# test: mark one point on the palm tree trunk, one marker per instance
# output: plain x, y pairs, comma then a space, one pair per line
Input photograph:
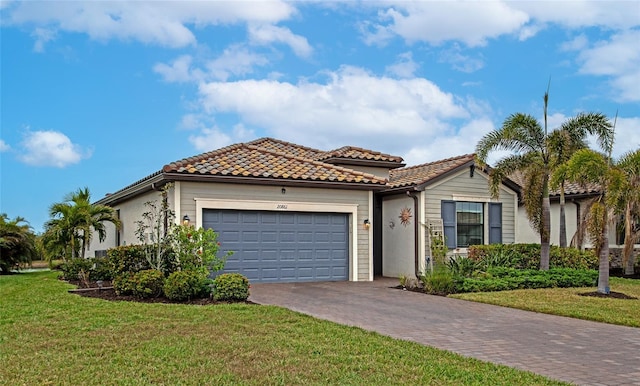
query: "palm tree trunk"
563, 221
546, 229
628, 260
603, 269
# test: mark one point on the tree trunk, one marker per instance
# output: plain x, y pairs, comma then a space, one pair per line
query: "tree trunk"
544, 234
628, 259
563, 221
603, 270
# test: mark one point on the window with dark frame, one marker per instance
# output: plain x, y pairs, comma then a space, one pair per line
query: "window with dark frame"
470, 223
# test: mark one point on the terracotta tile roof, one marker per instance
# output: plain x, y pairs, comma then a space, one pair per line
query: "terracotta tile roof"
420, 174
351, 152
249, 160
288, 148
570, 188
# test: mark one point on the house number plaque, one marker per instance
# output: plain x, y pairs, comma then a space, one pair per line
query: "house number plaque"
282, 206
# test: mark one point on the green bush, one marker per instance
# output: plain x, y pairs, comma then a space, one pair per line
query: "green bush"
440, 281
127, 259
501, 279
231, 287
527, 256
124, 284
100, 269
148, 283
184, 285
72, 268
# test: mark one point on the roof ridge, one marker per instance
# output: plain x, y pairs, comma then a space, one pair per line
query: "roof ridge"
200, 157
263, 139
317, 162
434, 162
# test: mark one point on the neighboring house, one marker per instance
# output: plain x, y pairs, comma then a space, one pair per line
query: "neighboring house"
577, 198
292, 213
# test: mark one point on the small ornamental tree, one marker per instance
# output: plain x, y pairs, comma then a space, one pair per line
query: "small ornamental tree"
153, 229
196, 249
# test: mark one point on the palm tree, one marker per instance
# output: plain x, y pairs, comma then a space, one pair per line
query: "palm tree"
624, 196
588, 166
533, 157
17, 243
73, 222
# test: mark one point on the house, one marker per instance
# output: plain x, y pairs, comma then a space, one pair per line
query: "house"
293, 213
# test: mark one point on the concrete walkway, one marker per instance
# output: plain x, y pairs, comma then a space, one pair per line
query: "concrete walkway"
572, 350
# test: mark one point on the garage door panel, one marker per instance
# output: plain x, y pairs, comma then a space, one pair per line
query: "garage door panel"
283, 246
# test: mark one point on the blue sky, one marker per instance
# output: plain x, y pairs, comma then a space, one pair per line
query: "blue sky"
101, 94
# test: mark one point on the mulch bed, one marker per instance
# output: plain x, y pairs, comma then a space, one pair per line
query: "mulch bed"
108, 293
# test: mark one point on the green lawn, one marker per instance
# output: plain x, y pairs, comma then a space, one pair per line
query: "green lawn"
48, 336
568, 302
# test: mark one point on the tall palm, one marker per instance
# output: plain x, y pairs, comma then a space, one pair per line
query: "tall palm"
17, 243
624, 196
74, 221
588, 166
569, 138
532, 156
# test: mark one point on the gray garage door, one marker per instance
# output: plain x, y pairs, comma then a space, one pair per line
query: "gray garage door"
283, 246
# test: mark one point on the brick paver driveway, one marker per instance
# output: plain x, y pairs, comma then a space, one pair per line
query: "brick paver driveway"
572, 350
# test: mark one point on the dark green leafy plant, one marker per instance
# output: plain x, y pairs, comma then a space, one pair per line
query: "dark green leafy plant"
231, 287
72, 268
148, 283
184, 285
124, 284
440, 281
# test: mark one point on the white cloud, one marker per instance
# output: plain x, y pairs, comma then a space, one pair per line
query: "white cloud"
42, 36
618, 59
51, 148
404, 67
4, 146
627, 135
235, 60
164, 23
215, 138
178, 71
353, 106
460, 62
582, 13
472, 23
578, 43
266, 34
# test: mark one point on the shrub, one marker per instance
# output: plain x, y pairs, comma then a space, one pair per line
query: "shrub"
100, 269
527, 256
184, 285
133, 258
440, 281
148, 283
71, 269
124, 284
231, 287
501, 279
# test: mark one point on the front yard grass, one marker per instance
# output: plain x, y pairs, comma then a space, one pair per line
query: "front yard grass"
48, 336
568, 302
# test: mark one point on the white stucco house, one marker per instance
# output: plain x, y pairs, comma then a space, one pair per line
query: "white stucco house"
292, 213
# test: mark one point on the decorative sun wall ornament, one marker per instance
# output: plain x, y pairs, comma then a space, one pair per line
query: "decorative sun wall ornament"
405, 216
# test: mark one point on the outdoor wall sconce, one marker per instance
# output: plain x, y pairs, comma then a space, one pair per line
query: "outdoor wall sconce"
186, 220
284, 190
367, 224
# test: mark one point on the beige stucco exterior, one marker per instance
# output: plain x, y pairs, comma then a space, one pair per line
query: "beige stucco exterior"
191, 198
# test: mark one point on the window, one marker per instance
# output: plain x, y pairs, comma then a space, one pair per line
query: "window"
470, 224
464, 223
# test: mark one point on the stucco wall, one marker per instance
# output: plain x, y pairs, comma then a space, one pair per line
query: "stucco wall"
271, 197
130, 212
398, 256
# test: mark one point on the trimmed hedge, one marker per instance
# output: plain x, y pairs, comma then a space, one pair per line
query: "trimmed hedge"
132, 258
527, 256
502, 279
96, 268
231, 287
184, 285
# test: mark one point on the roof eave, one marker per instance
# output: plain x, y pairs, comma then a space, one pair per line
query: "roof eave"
274, 181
